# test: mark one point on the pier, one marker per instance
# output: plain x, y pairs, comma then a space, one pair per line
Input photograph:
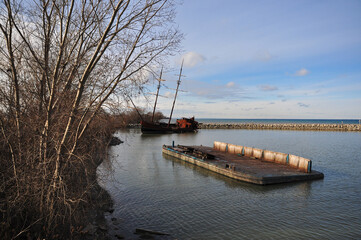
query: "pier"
247, 164
284, 126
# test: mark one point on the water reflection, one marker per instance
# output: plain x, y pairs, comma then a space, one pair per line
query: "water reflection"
159, 192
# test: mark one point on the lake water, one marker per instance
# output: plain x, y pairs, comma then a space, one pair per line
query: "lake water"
153, 191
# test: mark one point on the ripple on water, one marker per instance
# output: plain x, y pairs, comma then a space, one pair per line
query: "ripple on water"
157, 192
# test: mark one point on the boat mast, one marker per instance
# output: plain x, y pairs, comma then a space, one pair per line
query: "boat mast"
176, 92
156, 96
136, 109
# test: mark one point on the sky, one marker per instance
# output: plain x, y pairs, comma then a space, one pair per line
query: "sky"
267, 59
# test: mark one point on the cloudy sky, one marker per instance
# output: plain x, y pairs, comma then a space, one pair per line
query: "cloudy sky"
268, 59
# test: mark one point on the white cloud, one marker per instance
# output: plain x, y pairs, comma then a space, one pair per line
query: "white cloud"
303, 104
214, 91
192, 59
264, 56
267, 88
302, 72
230, 84
168, 95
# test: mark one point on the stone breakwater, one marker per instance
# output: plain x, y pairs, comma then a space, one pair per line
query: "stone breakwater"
286, 126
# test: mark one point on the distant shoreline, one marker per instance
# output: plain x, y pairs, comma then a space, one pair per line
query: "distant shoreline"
278, 121
277, 126
284, 126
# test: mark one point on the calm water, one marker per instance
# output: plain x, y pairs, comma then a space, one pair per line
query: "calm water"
270, 121
157, 192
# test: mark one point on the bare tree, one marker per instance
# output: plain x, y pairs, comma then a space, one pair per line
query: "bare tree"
60, 62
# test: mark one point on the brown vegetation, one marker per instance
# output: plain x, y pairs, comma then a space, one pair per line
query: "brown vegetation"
32, 204
60, 64
124, 119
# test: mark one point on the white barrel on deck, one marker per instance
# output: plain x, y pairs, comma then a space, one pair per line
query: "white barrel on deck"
269, 156
293, 160
305, 164
232, 148
257, 153
220, 146
301, 163
281, 158
248, 151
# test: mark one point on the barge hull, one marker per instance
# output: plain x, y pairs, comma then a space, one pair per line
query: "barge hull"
245, 169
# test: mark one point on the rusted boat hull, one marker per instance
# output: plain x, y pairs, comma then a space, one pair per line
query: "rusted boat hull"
147, 127
183, 125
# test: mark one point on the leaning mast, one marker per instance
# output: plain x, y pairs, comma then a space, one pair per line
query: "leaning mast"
156, 96
176, 92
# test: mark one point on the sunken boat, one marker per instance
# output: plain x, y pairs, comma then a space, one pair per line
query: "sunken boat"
181, 126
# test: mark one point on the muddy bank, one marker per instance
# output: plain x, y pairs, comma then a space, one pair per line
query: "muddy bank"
94, 224
97, 227
286, 126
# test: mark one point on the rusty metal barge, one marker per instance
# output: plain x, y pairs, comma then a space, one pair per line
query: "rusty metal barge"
247, 164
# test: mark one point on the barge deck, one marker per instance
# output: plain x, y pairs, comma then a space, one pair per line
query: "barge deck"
248, 166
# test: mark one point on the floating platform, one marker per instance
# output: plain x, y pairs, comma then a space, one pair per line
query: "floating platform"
247, 164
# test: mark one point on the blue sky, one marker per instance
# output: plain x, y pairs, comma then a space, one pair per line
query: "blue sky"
268, 59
